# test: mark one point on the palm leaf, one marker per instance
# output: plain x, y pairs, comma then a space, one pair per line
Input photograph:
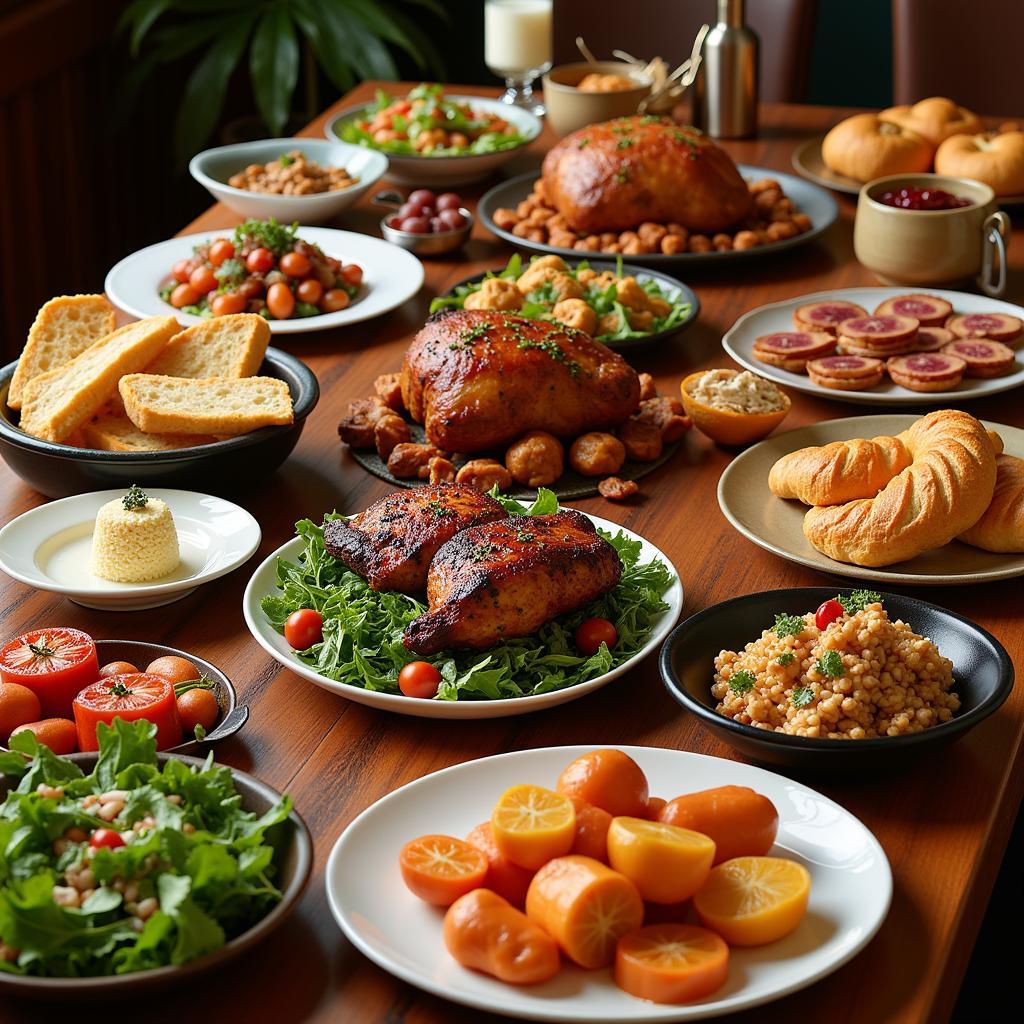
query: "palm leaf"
330, 58
274, 66
366, 53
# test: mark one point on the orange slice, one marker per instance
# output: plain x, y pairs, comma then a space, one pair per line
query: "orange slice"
667, 864
532, 824
440, 869
671, 963
750, 901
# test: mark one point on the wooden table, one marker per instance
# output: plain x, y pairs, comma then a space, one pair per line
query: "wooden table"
943, 822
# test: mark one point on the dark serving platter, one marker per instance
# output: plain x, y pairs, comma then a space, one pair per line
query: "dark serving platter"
813, 200
59, 470
982, 672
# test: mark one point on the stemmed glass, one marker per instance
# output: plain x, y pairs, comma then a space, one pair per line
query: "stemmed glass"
517, 47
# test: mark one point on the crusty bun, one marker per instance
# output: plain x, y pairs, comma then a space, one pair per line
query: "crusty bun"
934, 119
1001, 528
997, 160
866, 147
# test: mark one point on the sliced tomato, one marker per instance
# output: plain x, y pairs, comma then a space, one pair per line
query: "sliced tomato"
128, 697
53, 663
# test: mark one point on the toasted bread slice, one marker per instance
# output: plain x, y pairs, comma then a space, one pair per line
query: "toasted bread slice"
116, 433
64, 328
226, 346
56, 403
216, 405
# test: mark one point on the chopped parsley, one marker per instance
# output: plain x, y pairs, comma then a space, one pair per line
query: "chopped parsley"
789, 625
278, 238
231, 271
830, 665
583, 143
286, 159
624, 143
858, 600
524, 536
135, 498
481, 552
742, 681
437, 508
802, 696
786, 658
554, 350
622, 176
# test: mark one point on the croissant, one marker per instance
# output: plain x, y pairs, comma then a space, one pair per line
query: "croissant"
943, 492
1001, 528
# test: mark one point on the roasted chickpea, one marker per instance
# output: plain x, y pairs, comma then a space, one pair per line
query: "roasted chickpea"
780, 229
802, 222
537, 459
672, 244
652, 233
576, 313
597, 454
700, 243
483, 474
586, 275
745, 240
642, 440
505, 218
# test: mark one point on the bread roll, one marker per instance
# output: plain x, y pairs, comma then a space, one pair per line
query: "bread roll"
1001, 528
934, 119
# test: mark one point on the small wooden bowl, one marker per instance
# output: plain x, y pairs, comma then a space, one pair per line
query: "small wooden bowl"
724, 426
568, 109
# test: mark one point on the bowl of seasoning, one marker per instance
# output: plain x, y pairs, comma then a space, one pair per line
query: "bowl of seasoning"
733, 407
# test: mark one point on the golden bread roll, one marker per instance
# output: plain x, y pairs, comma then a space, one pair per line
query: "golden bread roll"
865, 147
942, 493
1001, 527
997, 161
934, 119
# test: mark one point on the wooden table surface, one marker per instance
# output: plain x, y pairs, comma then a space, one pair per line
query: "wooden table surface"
943, 822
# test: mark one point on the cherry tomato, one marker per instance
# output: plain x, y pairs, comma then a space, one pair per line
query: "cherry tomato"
591, 633
310, 290
259, 261
352, 275
304, 628
202, 279
174, 669
280, 301
220, 251
184, 295
252, 288
181, 270
58, 734
128, 697
53, 663
116, 668
198, 707
419, 679
295, 264
108, 837
334, 299
828, 612
229, 302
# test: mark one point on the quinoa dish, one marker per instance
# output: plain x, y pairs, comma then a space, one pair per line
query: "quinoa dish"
846, 671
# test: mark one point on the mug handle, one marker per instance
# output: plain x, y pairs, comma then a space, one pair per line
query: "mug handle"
993, 245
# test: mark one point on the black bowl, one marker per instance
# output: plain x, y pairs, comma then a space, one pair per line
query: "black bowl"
982, 671
58, 470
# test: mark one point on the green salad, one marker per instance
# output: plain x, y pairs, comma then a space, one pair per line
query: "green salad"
174, 874
623, 307
425, 123
362, 632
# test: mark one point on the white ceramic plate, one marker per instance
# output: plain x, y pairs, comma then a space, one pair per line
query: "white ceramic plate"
851, 886
390, 277
48, 548
264, 584
778, 316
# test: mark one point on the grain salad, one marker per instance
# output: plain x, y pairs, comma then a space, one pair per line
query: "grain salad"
845, 672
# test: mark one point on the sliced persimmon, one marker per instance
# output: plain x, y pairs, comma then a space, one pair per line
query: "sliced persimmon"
608, 779
440, 869
667, 864
531, 825
671, 963
508, 880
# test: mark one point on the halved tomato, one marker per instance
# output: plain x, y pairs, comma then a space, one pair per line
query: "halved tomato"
128, 697
53, 663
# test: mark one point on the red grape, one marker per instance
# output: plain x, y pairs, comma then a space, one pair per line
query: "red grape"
451, 219
422, 197
448, 201
417, 225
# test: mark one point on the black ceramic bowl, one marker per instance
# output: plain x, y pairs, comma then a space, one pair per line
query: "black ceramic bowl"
293, 859
982, 671
58, 470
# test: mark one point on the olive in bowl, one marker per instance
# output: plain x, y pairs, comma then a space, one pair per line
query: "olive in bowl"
425, 223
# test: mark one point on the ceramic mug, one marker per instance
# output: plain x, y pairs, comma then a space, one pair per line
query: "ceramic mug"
568, 108
932, 247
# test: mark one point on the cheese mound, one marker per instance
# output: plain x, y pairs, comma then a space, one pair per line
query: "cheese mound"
136, 545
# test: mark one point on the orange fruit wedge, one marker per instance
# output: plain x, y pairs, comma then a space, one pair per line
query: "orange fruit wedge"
531, 825
667, 864
671, 963
440, 869
751, 901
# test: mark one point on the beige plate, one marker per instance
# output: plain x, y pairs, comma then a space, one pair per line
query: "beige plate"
808, 162
777, 525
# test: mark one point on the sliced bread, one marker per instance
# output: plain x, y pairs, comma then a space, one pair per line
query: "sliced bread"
215, 405
64, 328
117, 433
58, 402
226, 346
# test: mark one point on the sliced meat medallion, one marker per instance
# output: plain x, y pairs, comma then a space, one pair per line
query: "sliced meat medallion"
984, 358
927, 371
997, 326
826, 316
928, 310
846, 373
848, 347
931, 339
881, 333
790, 350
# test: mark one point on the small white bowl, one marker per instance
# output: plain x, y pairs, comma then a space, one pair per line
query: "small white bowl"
48, 548
213, 167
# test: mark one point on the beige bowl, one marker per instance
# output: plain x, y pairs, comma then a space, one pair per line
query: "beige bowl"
568, 108
922, 247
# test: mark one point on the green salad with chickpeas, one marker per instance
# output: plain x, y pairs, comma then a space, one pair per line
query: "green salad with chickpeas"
608, 305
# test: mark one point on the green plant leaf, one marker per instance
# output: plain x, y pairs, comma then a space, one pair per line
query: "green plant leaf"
382, 22
274, 66
330, 58
140, 15
430, 57
366, 53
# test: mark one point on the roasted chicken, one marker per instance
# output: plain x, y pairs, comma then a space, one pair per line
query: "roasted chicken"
391, 543
480, 379
506, 579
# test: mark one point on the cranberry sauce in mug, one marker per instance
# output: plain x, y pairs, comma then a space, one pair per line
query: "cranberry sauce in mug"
909, 197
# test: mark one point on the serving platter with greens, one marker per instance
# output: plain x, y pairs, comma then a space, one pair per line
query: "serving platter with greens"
362, 651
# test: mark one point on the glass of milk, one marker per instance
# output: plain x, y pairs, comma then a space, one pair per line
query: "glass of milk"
517, 46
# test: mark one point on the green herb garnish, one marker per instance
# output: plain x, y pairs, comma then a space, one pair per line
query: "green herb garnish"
858, 600
278, 238
286, 159
830, 665
789, 625
438, 508
802, 696
786, 658
622, 176
742, 681
135, 498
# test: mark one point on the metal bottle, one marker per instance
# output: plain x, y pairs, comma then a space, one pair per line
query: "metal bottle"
725, 101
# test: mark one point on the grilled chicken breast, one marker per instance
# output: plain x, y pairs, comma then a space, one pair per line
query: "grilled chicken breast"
480, 379
391, 543
506, 579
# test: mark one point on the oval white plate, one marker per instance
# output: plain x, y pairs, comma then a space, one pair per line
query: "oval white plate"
48, 548
851, 886
264, 584
390, 277
778, 316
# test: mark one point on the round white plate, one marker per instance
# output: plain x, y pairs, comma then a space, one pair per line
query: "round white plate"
778, 316
264, 584
851, 886
49, 547
390, 277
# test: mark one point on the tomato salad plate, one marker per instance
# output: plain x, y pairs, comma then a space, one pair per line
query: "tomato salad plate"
322, 621
301, 278
604, 937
